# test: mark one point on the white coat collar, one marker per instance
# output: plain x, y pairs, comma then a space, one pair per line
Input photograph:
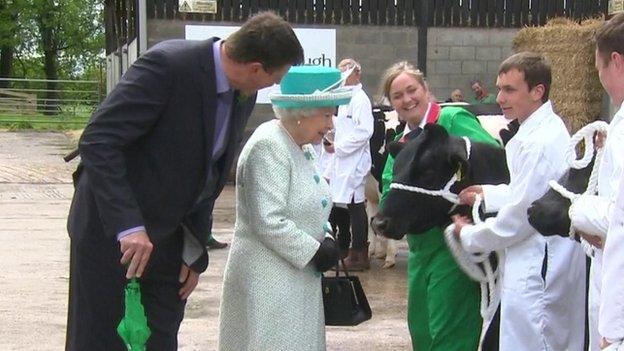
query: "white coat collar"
423, 120
532, 123
421, 125
618, 117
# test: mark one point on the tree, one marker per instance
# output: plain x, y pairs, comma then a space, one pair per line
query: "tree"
8, 36
70, 36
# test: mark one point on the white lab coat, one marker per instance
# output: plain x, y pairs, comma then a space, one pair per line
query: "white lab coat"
536, 313
591, 213
611, 317
323, 159
352, 158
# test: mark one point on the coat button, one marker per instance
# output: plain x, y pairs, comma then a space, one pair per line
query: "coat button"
324, 203
317, 179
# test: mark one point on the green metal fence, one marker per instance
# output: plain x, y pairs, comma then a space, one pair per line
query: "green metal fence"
45, 103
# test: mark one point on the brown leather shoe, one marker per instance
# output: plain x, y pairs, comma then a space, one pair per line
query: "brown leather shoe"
364, 260
354, 261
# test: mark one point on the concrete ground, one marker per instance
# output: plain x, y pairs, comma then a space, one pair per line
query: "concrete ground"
35, 193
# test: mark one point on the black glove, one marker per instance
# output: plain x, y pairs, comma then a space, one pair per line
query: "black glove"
326, 256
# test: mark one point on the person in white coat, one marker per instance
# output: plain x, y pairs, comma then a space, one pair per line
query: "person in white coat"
352, 162
543, 289
272, 298
339, 215
590, 214
605, 213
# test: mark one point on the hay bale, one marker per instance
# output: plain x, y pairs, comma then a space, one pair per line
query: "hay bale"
576, 91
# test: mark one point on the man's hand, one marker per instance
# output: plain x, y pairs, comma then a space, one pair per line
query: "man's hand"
599, 140
136, 249
189, 280
603, 343
460, 222
468, 196
593, 240
329, 148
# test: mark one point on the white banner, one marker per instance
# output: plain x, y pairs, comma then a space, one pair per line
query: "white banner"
319, 46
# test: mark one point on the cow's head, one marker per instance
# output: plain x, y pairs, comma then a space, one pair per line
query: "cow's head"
549, 214
428, 161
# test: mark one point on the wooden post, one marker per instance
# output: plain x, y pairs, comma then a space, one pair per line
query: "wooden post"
422, 36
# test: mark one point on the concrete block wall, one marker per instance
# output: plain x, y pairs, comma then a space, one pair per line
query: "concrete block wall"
376, 48
455, 55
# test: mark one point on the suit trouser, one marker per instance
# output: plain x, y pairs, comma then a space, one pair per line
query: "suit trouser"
359, 224
443, 303
96, 294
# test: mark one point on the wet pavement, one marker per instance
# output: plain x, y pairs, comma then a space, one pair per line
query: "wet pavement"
35, 193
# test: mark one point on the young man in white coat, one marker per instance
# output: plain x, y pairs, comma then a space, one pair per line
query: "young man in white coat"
590, 214
543, 287
352, 161
597, 215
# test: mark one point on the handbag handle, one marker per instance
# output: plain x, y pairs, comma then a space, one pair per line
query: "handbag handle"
344, 268
328, 230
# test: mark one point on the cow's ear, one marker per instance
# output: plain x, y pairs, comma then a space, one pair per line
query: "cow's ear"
460, 165
458, 158
394, 148
436, 133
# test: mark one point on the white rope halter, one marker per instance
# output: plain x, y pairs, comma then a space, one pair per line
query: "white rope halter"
587, 135
489, 279
444, 192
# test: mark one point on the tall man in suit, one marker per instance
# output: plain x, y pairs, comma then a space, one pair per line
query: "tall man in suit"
155, 156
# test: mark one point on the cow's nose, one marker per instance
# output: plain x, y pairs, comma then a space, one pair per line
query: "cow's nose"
379, 224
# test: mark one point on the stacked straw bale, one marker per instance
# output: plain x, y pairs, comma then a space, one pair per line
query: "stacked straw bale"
568, 46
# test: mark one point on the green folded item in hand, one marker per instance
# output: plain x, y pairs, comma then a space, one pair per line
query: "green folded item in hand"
133, 327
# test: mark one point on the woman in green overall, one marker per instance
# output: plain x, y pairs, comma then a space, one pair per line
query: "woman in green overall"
443, 303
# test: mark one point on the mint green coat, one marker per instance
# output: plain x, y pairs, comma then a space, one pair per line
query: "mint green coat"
272, 296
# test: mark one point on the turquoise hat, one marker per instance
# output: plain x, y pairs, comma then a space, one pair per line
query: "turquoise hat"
311, 87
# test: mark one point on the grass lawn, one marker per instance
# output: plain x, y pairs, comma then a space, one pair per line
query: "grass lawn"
42, 122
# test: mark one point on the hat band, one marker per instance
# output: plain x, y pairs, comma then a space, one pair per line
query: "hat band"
334, 95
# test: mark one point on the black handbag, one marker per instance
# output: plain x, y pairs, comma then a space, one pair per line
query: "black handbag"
344, 301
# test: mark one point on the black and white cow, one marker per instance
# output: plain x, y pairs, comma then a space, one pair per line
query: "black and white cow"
380, 246
549, 214
429, 161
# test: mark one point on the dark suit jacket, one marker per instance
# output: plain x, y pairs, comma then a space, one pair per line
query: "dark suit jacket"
146, 150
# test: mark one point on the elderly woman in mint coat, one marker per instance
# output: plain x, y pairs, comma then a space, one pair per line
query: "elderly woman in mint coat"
272, 284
